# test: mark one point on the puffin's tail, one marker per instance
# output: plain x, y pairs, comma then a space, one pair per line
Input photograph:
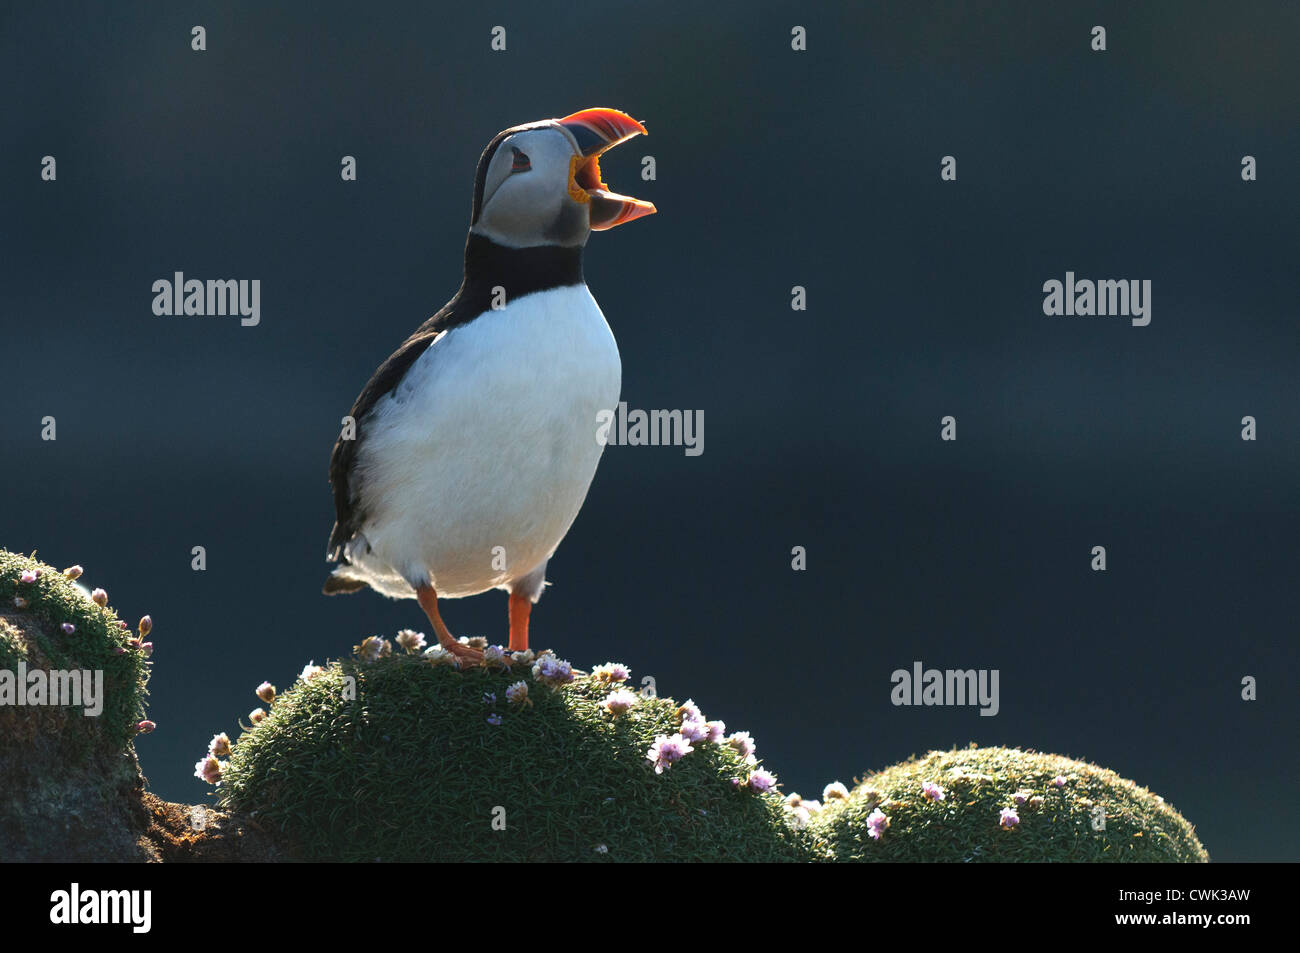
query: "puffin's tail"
339, 584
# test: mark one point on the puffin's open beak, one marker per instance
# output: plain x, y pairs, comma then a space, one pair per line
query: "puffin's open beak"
595, 131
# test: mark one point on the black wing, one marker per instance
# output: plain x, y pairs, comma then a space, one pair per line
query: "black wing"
348, 511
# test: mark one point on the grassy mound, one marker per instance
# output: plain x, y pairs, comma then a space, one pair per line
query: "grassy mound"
1058, 808
71, 781
35, 614
403, 759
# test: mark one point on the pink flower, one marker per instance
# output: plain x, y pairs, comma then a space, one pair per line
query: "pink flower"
144, 727
219, 746
743, 744
517, 694
370, 650
1008, 818
800, 813
552, 671
666, 750
310, 671
619, 702
611, 672
73, 572
30, 575
1058, 781
689, 711
877, 824
68, 628
209, 769
266, 692
410, 641
694, 730
256, 716
716, 731
147, 648
99, 597
932, 791
761, 781
835, 791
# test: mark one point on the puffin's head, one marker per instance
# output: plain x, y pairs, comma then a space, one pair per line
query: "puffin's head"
539, 183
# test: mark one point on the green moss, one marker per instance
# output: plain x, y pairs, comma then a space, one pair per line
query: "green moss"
13, 647
980, 782
33, 634
407, 767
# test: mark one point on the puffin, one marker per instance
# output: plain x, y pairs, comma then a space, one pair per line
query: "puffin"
472, 447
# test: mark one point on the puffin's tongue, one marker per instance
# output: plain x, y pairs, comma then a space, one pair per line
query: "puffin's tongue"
588, 174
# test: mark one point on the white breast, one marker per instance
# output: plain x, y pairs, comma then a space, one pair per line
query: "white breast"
482, 456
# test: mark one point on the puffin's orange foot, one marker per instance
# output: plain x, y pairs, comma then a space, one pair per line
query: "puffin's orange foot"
466, 655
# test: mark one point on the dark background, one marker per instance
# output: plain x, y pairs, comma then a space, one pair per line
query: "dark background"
775, 168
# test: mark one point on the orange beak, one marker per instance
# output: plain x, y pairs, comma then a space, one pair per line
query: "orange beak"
595, 131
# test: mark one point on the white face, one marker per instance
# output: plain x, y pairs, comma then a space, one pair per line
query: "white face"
526, 192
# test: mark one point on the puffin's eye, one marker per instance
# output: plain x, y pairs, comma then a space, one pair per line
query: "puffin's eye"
521, 163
